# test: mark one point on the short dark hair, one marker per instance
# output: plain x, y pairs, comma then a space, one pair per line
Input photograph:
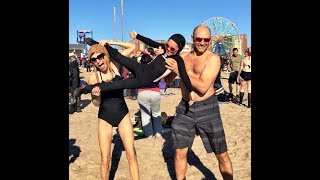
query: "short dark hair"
145, 59
235, 49
151, 51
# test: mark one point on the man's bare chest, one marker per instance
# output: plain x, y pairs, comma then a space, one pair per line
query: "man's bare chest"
194, 65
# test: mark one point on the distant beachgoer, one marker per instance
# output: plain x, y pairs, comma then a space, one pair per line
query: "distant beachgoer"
233, 66
244, 76
149, 98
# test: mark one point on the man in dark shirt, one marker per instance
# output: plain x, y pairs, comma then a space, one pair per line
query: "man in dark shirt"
74, 80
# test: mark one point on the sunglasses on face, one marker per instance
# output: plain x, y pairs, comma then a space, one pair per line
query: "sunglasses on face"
200, 39
93, 60
170, 48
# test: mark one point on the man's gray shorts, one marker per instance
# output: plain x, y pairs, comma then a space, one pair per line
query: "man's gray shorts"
201, 118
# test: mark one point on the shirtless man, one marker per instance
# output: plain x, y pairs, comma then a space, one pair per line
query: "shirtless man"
203, 116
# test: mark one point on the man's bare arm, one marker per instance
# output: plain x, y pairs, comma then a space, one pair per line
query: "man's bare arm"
208, 75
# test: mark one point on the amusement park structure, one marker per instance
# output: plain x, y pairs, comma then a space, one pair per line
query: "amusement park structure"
80, 49
225, 35
82, 34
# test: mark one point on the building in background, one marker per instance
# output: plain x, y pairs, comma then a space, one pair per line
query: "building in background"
79, 49
242, 44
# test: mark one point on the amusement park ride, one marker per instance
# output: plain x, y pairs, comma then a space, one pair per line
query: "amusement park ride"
225, 34
82, 34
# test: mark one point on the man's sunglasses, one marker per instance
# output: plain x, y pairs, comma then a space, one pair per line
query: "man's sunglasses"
200, 39
170, 48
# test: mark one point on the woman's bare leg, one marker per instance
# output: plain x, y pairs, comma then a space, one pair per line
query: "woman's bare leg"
249, 86
243, 85
127, 137
105, 138
242, 88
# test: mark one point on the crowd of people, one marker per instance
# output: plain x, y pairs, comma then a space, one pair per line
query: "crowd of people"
196, 114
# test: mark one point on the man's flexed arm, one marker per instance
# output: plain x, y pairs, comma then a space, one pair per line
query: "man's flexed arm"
208, 75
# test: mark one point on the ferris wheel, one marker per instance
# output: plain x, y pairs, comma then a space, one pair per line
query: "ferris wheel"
225, 35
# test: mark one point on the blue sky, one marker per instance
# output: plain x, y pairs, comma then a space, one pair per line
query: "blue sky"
155, 19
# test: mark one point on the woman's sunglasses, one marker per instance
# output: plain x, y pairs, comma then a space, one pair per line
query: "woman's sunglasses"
170, 48
200, 39
92, 60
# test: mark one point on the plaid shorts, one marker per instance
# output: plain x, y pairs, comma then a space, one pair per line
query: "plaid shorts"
201, 118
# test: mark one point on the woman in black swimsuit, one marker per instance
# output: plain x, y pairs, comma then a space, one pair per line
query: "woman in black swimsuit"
113, 111
145, 74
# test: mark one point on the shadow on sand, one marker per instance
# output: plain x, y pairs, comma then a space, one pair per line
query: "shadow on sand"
116, 154
167, 153
74, 151
192, 158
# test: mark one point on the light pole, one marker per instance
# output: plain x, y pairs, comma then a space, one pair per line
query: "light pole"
122, 18
114, 23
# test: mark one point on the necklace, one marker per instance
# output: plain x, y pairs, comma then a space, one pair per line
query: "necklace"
106, 79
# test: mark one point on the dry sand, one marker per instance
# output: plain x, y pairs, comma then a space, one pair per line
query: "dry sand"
155, 157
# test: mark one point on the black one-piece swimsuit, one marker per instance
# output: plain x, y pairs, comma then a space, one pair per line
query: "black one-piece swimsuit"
113, 107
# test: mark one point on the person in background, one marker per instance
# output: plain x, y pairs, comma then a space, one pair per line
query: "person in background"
74, 80
149, 102
233, 67
244, 76
133, 91
88, 65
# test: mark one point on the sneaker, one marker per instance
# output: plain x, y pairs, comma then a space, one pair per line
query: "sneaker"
157, 136
149, 137
78, 109
138, 131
